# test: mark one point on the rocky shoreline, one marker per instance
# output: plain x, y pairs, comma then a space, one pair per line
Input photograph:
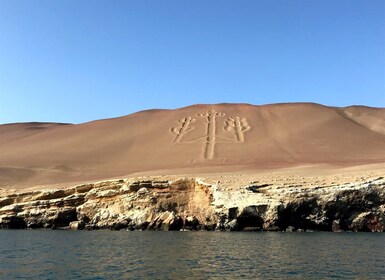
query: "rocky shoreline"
198, 204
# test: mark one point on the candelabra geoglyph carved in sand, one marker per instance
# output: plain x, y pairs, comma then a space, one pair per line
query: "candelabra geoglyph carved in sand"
232, 125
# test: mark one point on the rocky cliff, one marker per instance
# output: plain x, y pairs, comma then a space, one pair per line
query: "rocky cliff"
199, 204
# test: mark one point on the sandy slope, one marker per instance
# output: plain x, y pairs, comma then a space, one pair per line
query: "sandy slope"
195, 139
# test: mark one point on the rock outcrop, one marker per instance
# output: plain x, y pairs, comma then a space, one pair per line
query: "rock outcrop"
194, 204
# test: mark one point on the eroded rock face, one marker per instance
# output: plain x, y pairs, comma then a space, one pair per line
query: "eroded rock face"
193, 204
139, 205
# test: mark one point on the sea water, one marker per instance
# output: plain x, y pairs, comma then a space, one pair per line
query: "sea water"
47, 254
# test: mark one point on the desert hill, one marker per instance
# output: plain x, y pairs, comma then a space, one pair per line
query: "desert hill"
198, 138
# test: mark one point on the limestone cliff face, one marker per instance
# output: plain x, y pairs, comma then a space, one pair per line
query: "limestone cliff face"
194, 204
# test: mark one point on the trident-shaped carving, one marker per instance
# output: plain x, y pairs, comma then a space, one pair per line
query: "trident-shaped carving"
235, 125
238, 126
210, 131
181, 131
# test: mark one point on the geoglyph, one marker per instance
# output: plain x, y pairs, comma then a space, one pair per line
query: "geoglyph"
233, 125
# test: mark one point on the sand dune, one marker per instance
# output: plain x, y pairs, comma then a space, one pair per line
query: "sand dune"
199, 138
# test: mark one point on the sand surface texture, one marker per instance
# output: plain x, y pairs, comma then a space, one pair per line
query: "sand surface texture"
199, 139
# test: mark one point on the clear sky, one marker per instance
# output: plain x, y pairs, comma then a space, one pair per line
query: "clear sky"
77, 60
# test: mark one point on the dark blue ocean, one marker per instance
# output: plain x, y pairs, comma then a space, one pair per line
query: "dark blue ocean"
47, 254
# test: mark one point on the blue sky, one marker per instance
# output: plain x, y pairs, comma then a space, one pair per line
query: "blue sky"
75, 61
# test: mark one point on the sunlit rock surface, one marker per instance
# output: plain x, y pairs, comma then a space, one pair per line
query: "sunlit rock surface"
200, 204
